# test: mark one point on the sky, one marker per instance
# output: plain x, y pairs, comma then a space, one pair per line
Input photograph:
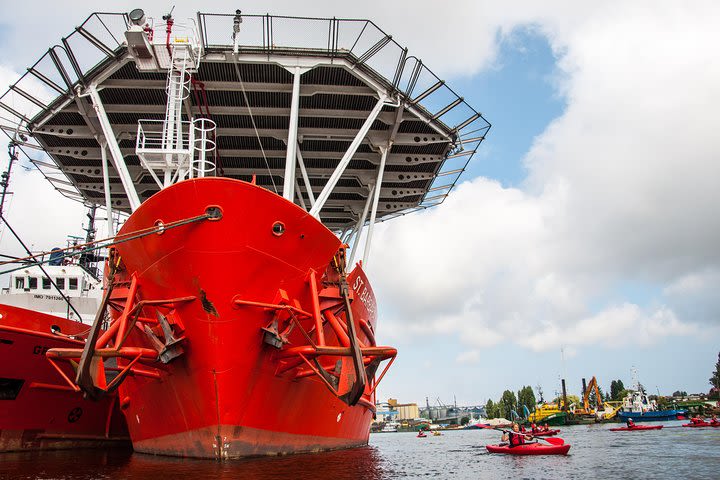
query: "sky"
584, 238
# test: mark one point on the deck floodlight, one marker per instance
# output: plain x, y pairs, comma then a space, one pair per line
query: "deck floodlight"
137, 16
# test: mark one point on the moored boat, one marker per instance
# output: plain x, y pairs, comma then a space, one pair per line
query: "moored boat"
39, 411
548, 413
639, 407
390, 427
44, 308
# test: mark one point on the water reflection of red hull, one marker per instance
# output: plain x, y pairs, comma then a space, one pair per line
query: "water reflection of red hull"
40, 411
245, 307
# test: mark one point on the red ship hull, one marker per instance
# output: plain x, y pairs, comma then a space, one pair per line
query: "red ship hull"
37, 409
265, 360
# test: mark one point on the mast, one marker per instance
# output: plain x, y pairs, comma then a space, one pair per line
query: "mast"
88, 260
5, 178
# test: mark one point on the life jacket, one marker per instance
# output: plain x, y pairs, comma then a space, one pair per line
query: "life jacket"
515, 439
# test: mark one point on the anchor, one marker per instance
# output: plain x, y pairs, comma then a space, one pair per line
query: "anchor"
172, 347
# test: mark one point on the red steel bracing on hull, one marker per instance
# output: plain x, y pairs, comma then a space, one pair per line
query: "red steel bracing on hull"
273, 343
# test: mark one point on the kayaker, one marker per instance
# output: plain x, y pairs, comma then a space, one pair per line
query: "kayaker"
514, 438
533, 428
630, 423
546, 428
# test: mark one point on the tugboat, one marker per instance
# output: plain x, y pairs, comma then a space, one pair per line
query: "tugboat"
40, 411
640, 408
44, 308
242, 320
637, 406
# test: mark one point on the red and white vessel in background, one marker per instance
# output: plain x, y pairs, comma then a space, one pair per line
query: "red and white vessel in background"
241, 322
44, 308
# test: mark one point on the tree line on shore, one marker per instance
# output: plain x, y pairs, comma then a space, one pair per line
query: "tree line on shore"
509, 402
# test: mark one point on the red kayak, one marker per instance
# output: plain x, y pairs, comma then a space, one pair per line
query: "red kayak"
700, 425
530, 449
636, 427
545, 433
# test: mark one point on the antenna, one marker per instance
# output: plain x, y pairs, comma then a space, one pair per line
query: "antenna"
635, 378
5, 178
169, 15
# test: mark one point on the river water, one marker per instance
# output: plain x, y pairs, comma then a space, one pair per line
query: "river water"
596, 453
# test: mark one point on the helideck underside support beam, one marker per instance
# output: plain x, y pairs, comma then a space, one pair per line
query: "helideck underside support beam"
309, 123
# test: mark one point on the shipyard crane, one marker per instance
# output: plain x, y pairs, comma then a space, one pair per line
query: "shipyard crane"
586, 395
587, 390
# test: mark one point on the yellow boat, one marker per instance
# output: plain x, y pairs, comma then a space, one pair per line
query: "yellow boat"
550, 413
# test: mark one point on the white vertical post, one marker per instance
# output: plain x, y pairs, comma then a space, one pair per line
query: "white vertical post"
376, 199
167, 178
106, 186
289, 182
115, 153
345, 160
306, 179
361, 223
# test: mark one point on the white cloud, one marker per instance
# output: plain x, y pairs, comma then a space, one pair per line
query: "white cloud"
618, 326
622, 188
41, 217
468, 357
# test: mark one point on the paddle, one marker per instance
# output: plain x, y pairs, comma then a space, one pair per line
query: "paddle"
550, 440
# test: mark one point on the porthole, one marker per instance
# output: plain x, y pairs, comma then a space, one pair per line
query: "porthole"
278, 228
